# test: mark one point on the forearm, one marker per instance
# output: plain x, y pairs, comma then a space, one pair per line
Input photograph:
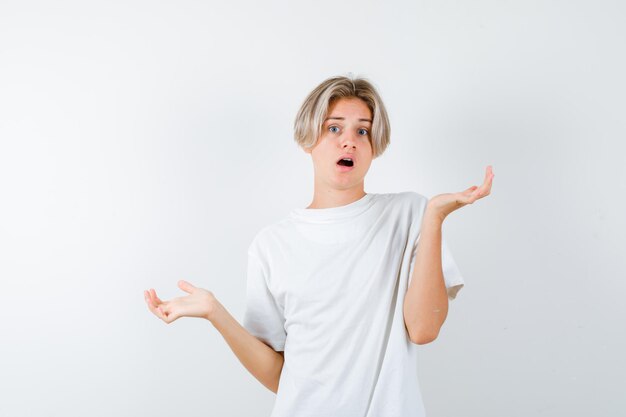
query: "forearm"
263, 362
426, 300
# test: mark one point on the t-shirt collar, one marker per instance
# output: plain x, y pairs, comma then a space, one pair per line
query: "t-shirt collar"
323, 215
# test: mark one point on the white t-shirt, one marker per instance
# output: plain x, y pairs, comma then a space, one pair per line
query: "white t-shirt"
326, 286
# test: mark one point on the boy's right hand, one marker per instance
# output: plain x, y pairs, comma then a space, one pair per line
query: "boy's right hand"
199, 303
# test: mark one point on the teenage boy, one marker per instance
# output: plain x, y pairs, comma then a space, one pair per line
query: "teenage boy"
340, 293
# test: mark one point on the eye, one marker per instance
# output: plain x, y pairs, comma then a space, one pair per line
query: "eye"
364, 130
331, 127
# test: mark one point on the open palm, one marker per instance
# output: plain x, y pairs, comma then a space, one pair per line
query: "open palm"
199, 303
444, 204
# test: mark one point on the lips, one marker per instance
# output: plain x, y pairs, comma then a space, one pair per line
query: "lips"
347, 156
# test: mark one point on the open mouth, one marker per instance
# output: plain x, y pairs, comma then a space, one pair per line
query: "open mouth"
345, 162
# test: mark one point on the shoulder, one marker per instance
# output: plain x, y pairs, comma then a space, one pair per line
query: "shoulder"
267, 237
411, 199
408, 205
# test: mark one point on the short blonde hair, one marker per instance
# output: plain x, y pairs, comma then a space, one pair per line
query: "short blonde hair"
314, 109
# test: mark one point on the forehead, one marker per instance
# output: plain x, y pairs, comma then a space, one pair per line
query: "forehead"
351, 107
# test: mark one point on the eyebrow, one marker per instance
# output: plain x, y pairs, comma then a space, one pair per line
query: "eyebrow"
343, 118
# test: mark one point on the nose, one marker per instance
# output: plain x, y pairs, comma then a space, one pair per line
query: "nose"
348, 140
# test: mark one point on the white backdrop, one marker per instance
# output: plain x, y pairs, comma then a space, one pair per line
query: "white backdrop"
143, 142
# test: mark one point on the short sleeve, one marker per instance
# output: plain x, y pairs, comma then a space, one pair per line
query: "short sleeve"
451, 274
263, 317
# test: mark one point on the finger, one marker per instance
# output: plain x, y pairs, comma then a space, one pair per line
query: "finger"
485, 188
477, 193
171, 317
154, 296
150, 300
161, 314
473, 187
489, 177
168, 316
480, 192
153, 308
146, 296
469, 190
166, 307
186, 286
155, 299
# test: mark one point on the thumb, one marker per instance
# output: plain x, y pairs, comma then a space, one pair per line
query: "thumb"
186, 286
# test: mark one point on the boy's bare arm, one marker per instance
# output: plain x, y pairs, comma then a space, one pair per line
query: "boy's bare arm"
425, 305
263, 362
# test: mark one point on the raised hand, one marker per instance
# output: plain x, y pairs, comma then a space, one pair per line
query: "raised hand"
199, 303
443, 204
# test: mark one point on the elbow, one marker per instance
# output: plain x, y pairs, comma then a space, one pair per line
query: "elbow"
421, 332
423, 338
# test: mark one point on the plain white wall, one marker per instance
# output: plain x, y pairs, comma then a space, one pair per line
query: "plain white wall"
143, 142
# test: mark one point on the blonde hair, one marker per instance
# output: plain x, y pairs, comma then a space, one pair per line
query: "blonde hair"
314, 109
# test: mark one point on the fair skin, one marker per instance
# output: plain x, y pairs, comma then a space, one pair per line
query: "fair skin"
263, 362
425, 305
332, 188
345, 131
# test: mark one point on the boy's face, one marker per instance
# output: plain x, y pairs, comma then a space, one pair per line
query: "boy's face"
346, 132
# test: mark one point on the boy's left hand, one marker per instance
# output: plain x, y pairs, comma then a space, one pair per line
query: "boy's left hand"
443, 204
